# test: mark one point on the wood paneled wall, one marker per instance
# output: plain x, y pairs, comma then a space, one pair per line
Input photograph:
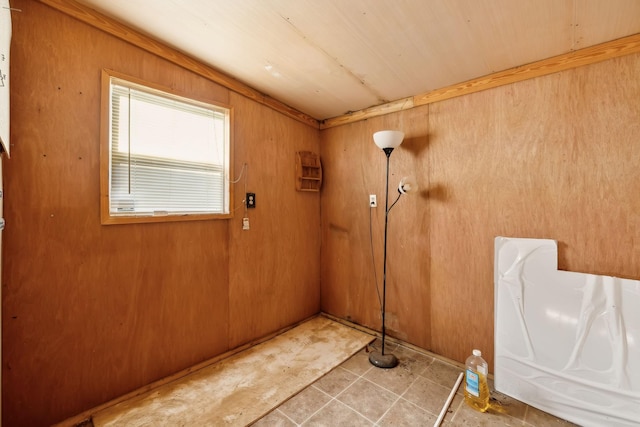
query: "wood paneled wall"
91, 312
552, 157
351, 231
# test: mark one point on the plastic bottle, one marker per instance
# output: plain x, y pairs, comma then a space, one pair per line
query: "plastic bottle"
476, 390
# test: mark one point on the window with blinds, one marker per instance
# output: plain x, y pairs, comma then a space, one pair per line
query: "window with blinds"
168, 155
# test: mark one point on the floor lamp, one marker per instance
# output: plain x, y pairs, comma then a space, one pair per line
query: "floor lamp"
387, 140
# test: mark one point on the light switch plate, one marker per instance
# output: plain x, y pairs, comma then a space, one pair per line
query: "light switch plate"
250, 200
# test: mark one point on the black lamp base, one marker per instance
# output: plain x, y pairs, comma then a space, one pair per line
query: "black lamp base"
383, 360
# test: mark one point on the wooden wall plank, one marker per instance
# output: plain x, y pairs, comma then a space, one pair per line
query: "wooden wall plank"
77, 301
275, 265
582, 57
104, 23
355, 168
378, 110
579, 58
552, 157
93, 312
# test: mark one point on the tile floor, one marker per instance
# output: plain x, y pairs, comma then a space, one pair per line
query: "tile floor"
358, 394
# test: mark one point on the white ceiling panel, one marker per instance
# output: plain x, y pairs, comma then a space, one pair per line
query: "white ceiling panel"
329, 57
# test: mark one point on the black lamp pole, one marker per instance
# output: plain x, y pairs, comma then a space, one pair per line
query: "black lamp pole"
380, 359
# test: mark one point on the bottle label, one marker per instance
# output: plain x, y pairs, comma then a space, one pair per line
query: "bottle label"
473, 383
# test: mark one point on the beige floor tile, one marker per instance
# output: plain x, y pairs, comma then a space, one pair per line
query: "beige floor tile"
538, 418
368, 399
396, 380
510, 406
389, 346
405, 414
274, 419
442, 373
412, 394
358, 394
414, 361
453, 408
427, 395
468, 417
337, 414
336, 381
359, 363
304, 404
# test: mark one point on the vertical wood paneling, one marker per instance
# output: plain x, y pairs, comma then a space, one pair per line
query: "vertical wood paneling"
275, 264
354, 168
590, 55
109, 25
434, 45
91, 312
95, 311
552, 157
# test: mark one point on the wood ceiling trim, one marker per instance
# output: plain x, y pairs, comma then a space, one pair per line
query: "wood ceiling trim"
377, 110
113, 27
578, 58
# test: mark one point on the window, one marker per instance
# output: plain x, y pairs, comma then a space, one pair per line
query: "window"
167, 156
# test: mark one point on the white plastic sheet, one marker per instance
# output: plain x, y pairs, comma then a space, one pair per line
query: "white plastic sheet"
566, 343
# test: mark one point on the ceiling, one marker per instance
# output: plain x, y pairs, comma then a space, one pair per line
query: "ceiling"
327, 58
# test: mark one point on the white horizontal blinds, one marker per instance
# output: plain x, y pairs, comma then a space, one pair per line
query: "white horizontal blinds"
167, 156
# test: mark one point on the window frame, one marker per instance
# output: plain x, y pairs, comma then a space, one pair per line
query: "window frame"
105, 162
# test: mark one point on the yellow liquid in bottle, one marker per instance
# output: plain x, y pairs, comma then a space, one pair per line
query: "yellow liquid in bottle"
481, 402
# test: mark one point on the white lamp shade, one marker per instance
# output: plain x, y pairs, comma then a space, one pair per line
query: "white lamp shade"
388, 138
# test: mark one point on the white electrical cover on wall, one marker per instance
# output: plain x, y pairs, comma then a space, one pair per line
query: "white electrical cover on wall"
566, 343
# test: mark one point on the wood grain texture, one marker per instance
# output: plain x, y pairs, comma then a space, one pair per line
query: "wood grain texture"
274, 266
602, 52
243, 388
355, 168
551, 157
579, 58
378, 110
92, 312
104, 23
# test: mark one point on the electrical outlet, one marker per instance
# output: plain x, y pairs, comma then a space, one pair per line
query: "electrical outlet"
245, 223
373, 201
250, 200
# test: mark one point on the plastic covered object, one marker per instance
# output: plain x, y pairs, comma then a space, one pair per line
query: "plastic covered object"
566, 343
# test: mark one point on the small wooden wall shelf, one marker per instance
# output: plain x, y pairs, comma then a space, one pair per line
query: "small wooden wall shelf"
308, 171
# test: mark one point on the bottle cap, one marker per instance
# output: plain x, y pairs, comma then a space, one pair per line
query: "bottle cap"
477, 352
